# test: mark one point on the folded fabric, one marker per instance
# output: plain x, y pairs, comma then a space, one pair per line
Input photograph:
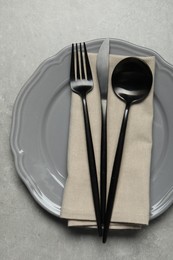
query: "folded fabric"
131, 206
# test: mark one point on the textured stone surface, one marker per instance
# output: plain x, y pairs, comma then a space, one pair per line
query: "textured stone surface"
31, 31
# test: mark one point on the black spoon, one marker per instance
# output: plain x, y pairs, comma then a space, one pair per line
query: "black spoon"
131, 82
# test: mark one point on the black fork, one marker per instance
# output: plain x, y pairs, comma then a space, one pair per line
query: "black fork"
81, 83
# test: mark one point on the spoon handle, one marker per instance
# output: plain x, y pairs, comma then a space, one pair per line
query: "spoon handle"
115, 173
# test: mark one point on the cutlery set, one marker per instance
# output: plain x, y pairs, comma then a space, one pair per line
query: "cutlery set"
131, 82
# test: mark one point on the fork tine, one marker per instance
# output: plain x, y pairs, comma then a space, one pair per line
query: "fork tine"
72, 68
88, 69
77, 63
82, 62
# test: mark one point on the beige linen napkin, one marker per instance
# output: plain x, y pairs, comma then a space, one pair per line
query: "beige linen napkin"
131, 207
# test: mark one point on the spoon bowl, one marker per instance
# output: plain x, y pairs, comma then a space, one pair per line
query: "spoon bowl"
132, 80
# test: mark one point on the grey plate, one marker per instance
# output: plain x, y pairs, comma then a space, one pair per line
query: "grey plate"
40, 125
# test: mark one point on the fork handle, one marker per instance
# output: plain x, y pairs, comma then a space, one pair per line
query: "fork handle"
92, 165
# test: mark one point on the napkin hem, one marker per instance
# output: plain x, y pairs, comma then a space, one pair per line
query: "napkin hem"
140, 219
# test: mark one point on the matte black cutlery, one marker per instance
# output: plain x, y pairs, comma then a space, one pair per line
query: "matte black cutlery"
102, 66
81, 83
131, 82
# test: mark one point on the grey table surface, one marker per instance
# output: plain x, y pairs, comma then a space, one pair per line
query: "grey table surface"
30, 32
